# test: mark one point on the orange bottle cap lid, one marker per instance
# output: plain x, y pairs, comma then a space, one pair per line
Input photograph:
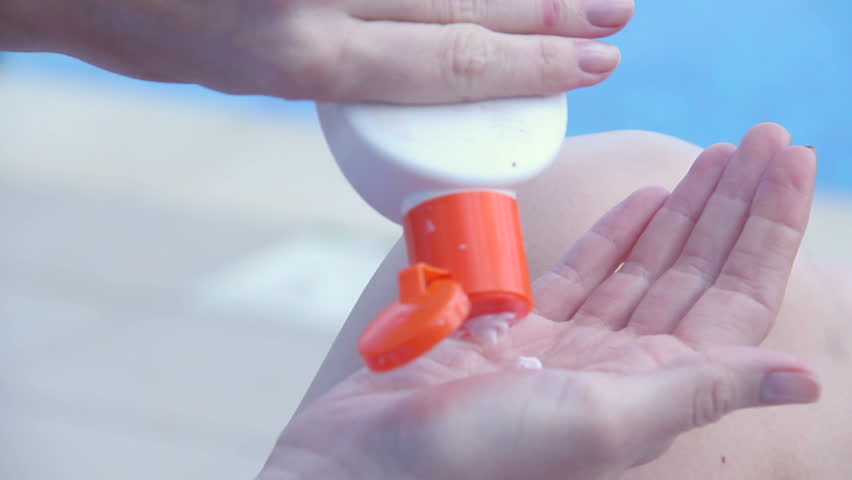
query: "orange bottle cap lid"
477, 237
432, 306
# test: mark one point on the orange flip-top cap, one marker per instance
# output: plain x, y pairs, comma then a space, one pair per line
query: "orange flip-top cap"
431, 307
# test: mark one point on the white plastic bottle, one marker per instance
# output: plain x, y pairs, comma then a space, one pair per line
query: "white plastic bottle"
447, 173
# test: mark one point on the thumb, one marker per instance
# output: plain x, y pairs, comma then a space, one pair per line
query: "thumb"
704, 387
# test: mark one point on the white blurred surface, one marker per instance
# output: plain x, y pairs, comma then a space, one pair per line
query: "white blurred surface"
170, 279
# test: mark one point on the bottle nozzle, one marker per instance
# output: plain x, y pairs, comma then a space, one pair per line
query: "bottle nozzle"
468, 263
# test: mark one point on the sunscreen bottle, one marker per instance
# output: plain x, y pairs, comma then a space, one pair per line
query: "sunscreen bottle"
447, 174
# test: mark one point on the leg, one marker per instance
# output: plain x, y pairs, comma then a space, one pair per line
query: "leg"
592, 174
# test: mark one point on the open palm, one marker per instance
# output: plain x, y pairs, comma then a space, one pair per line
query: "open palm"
646, 329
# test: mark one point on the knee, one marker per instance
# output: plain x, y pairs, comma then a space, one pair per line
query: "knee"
632, 158
590, 175
605, 167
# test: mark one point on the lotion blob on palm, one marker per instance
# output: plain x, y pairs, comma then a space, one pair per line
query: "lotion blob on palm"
533, 363
488, 329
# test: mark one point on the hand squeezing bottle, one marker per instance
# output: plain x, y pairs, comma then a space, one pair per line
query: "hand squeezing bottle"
447, 173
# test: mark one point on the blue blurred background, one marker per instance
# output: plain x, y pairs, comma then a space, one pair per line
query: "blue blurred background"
706, 71
703, 71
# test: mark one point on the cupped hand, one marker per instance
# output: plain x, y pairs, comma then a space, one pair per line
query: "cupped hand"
393, 51
646, 329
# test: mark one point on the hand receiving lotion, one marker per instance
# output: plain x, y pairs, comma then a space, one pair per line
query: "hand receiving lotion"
447, 173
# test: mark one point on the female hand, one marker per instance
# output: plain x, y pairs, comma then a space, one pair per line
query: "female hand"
396, 51
648, 328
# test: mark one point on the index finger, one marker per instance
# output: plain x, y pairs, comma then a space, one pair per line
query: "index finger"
427, 63
574, 18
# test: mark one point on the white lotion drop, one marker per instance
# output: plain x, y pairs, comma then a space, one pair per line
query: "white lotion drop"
488, 328
532, 363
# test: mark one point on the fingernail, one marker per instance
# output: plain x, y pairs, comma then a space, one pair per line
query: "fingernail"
812, 148
608, 13
788, 387
595, 57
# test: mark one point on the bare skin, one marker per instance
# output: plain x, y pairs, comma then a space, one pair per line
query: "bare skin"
333, 50
414, 52
758, 443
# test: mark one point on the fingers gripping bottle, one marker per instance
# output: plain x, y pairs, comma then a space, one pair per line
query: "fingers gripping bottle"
447, 173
